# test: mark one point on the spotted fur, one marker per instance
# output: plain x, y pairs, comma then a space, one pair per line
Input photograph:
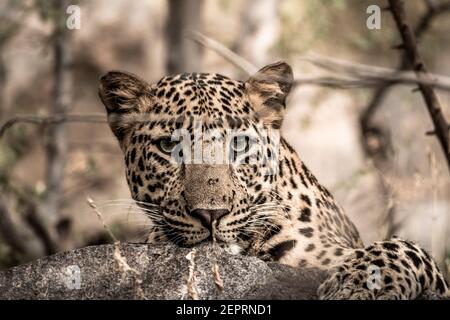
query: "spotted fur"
278, 213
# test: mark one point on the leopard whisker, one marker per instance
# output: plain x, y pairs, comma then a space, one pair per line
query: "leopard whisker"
126, 201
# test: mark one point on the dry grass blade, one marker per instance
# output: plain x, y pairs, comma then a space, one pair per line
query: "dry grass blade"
92, 204
122, 260
118, 257
215, 269
217, 278
125, 267
191, 282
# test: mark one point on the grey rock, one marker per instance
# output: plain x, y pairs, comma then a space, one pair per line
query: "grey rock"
140, 271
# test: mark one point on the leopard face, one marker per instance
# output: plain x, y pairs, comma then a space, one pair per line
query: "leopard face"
201, 152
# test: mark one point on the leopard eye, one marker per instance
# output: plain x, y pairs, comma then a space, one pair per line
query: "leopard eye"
166, 145
240, 144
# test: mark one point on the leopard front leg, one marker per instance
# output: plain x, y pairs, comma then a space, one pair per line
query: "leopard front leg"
394, 269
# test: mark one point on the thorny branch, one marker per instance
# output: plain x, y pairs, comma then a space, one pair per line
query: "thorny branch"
375, 139
415, 60
433, 11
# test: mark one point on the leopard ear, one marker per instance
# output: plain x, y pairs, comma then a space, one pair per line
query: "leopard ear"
268, 89
126, 98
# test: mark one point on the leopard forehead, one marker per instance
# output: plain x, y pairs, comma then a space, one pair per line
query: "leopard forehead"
130, 100
211, 96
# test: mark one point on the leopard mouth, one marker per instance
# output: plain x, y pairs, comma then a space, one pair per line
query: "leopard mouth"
217, 240
230, 247
190, 233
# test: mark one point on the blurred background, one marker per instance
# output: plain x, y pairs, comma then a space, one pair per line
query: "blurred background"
367, 145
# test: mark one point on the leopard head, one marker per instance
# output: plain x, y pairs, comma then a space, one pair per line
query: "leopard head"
201, 152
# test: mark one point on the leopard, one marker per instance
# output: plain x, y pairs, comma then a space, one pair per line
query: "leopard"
205, 160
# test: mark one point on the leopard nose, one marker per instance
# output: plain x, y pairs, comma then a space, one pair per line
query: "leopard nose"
207, 216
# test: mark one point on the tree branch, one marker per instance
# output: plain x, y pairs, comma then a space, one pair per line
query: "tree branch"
56, 136
51, 119
27, 203
431, 100
422, 26
360, 75
350, 75
238, 61
9, 232
371, 132
45, 233
182, 55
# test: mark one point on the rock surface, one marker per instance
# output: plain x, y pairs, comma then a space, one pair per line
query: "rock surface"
139, 271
